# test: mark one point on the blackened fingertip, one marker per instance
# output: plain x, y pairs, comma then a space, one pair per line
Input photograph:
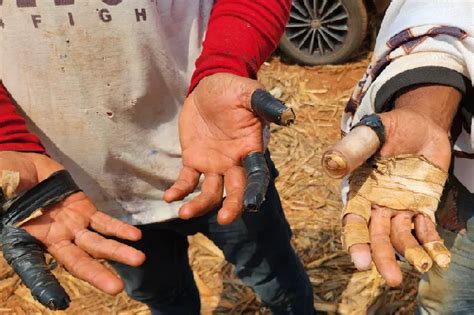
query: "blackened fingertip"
57, 304
271, 109
252, 200
25, 254
258, 177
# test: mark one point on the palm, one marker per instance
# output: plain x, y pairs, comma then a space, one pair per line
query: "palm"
425, 139
217, 130
64, 228
408, 130
221, 129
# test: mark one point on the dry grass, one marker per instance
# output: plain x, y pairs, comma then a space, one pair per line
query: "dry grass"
312, 205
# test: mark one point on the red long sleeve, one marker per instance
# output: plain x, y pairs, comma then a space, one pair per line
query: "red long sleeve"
241, 35
14, 136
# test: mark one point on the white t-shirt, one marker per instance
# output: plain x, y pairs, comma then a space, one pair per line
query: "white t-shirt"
102, 84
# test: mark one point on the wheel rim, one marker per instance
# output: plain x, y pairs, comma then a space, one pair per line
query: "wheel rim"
317, 27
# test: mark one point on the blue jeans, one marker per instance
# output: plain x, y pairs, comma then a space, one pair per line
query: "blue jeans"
257, 244
451, 291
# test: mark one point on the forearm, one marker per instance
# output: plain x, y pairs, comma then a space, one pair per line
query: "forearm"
438, 103
241, 35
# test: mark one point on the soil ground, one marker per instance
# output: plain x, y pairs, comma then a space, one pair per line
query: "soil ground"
312, 206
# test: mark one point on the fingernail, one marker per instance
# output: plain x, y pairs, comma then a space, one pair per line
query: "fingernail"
361, 261
439, 253
443, 261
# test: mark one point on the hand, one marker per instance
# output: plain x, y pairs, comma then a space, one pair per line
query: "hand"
415, 126
66, 228
218, 129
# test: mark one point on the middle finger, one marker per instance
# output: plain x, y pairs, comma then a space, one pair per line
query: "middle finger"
99, 247
383, 254
234, 182
209, 198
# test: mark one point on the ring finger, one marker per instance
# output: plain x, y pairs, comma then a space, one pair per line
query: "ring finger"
406, 244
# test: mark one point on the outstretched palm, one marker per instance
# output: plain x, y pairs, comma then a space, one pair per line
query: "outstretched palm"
413, 127
66, 229
217, 130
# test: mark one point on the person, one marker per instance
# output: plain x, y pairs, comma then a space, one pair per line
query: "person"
102, 85
419, 84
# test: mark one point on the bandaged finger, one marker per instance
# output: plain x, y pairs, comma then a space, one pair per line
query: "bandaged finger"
271, 109
23, 251
417, 257
10, 181
364, 139
356, 232
405, 182
438, 252
350, 152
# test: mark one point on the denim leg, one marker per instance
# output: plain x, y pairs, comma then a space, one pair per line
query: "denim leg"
258, 244
165, 281
451, 291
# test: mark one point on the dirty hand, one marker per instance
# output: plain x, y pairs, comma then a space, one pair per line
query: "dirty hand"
68, 230
417, 154
221, 134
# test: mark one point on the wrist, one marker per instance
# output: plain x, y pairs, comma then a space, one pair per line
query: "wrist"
435, 103
212, 65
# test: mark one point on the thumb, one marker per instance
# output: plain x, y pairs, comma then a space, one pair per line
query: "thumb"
17, 164
355, 148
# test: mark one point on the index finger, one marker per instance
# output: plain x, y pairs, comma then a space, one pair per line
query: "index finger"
108, 226
383, 253
100, 247
185, 184
354, 224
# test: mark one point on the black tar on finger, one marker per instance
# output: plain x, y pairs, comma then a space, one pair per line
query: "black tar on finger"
258, 177
271, 109
374, 122
24, 252
26, 256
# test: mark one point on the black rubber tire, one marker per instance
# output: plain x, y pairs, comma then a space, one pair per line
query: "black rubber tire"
356, 32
